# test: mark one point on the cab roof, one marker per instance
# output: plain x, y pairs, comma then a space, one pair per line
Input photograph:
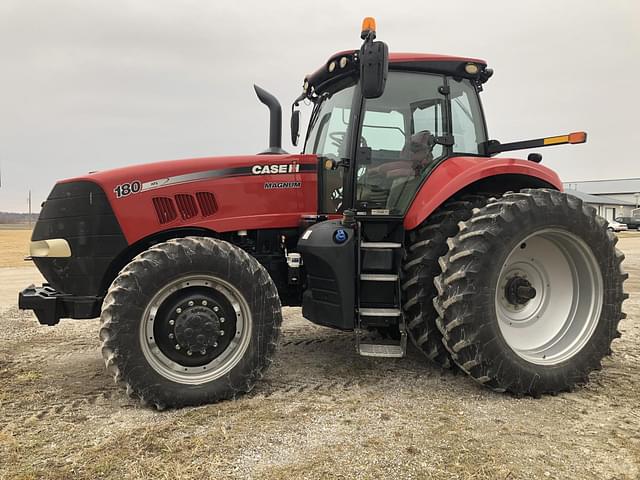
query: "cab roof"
333, 75
396, 57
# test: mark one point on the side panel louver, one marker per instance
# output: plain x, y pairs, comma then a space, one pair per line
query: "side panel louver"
207, 203
165, 209
186, 206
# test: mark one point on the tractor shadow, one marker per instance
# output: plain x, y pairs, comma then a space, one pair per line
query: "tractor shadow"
312, 359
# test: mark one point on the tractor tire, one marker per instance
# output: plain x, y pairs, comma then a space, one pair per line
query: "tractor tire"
190, 321
530, 294
426, 245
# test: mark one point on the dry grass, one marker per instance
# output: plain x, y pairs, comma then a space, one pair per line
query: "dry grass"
14, 245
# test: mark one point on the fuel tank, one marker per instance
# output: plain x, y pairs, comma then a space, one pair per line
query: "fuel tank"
329, 257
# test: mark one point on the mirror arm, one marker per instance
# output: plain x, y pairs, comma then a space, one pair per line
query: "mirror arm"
295, 124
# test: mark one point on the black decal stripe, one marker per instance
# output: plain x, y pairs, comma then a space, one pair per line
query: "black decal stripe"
220, 173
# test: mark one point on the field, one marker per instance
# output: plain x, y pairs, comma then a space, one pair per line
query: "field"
14, 246
321, 412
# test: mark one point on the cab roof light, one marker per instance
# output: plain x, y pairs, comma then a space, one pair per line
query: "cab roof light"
471, 68
368, 27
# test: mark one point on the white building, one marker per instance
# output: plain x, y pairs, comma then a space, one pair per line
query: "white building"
612, 198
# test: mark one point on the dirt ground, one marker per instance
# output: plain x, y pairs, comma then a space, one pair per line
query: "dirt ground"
321, 412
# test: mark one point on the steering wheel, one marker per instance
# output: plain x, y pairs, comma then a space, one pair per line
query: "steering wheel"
337, 138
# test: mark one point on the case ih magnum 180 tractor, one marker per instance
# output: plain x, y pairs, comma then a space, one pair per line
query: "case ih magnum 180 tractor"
396, 219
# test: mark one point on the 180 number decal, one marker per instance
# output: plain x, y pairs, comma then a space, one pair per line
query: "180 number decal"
126, 189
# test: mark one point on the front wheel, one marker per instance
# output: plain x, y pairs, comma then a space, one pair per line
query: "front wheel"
530, 294
190, 321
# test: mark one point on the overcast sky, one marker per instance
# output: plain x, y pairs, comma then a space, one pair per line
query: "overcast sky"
90, 85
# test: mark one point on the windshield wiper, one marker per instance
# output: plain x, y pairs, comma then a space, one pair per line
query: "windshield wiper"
316, 110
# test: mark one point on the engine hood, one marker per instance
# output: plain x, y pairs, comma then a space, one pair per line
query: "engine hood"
156, 175
218, 194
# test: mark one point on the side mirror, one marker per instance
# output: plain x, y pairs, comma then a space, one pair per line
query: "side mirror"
374, 66
295, 126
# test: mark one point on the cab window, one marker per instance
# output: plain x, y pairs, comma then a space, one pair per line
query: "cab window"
466, 117
326, 139
397, 141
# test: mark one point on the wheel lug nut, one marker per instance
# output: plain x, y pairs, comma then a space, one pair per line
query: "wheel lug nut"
221, 333
178, 310
177, 347
172, 322
215, 309
221, 319
191, 303
189, 352
204, 302
215, 344
171, 335
203, 351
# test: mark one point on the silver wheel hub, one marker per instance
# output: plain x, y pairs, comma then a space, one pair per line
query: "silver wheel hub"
184, 334
549, 296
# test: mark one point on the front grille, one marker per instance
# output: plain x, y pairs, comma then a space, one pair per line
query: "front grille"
80, 213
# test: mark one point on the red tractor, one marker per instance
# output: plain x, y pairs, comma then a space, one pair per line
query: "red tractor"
396, 221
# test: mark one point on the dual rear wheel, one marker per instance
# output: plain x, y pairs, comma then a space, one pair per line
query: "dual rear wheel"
528, 293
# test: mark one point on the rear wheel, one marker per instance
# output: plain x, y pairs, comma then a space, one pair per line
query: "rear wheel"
190, 321
530, 294
426, 245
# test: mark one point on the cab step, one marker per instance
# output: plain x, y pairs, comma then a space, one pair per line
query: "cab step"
380, 312
380, 350
376, 245
379, 277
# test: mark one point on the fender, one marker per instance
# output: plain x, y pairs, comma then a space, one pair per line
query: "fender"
454, 174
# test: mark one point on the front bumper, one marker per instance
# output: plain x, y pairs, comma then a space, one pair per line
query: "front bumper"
50, 305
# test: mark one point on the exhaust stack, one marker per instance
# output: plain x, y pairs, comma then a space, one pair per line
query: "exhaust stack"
275, 121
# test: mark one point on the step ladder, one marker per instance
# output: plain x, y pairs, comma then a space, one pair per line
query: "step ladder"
379, 299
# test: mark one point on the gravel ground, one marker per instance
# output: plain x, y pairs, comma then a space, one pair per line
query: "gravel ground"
321, 412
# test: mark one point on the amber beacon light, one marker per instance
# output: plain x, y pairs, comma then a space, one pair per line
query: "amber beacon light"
368, 26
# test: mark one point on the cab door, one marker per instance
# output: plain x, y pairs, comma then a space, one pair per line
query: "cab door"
398, 145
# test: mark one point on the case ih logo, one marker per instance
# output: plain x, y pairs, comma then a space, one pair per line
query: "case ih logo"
271, 169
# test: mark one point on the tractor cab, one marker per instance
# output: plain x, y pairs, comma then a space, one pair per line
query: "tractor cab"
375, 148
377, 144
375, 152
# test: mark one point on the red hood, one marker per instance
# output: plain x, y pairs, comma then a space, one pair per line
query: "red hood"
168, 168
218, 194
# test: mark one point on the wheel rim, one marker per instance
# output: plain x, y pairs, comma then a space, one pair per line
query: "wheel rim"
554, 321
195, 329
